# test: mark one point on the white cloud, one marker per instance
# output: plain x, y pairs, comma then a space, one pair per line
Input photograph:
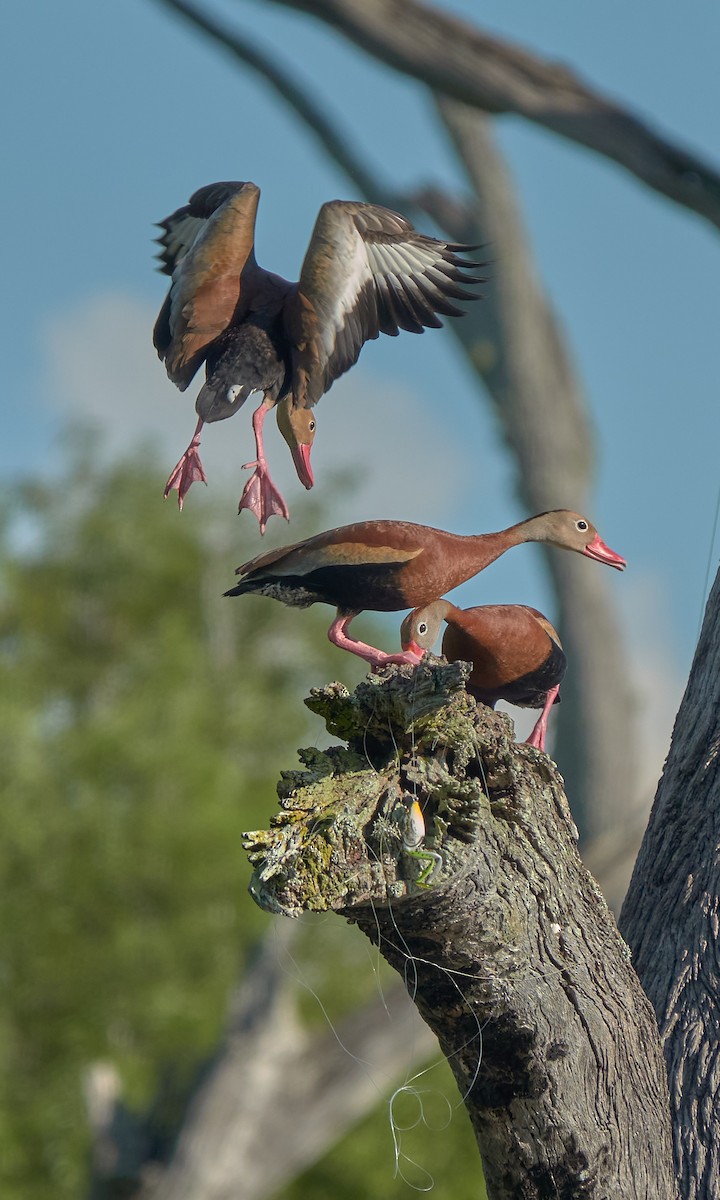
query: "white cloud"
102, 369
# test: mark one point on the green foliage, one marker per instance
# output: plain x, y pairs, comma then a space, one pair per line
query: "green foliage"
144, 719
143, 722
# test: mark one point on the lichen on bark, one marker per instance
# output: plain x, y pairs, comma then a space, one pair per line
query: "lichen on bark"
516, 962
340, 838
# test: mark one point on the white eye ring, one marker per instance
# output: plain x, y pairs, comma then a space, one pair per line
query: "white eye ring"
311, 426
582, 526
422, 628
233, 392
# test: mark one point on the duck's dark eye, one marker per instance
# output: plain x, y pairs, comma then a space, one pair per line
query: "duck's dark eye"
422, 628
582, 526
311, 426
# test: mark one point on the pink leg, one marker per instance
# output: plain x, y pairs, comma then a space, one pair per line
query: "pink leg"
537, 737
188, 471
339, 637
260, 494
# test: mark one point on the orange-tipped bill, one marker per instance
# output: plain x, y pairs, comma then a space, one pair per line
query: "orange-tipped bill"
598, 550
301, 458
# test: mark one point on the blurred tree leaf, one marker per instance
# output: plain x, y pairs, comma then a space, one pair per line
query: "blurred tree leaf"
143, 719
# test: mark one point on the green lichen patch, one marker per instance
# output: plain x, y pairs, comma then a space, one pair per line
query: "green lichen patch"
393, 696
395, 810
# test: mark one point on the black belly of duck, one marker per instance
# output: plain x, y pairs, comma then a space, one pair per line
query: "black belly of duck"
249, 355
349, 588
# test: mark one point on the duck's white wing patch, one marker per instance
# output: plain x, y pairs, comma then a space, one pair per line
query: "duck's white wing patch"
179, 232
368, 271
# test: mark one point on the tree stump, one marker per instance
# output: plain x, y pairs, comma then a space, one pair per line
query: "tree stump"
503, 937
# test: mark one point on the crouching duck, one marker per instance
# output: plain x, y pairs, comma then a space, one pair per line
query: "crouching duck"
515, 653
366, 271
386, 566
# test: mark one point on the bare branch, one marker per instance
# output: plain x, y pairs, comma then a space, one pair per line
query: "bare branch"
308, 1091
456, 59
336, 144
269, 1073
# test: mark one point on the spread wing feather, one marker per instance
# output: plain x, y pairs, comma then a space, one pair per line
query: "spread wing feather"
205, 247
367, 271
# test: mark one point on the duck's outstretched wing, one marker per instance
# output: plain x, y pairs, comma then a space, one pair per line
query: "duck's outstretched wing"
207, 247
367, 271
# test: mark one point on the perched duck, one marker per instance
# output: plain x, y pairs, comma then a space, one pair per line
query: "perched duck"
386, 566
515, 652
366, 271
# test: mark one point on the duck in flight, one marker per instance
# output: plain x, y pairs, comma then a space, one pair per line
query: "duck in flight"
366, 271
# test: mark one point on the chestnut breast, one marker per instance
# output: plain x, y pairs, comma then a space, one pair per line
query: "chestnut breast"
515, 651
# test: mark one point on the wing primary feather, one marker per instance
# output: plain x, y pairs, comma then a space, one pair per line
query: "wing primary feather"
419, 307
390, 323
437, 300
405, 316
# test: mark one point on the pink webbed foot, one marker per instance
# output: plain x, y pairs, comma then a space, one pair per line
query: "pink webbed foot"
188, 471
407, 656
261, 496
339, 637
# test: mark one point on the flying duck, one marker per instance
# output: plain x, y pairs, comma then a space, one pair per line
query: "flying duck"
366, 271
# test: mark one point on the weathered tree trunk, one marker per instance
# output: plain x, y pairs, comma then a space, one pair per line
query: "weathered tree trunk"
515, 961
671, 918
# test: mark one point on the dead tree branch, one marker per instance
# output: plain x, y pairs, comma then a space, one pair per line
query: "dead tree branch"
330, 136
268, 1073
455, 59
671, 917
515, 960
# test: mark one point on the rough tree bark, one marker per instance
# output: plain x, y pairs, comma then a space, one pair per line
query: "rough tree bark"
671, 917
516, 963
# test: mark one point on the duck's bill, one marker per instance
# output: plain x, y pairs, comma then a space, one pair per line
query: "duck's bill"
598, 550
301, 458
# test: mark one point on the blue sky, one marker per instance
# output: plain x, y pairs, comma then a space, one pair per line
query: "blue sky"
115, 112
